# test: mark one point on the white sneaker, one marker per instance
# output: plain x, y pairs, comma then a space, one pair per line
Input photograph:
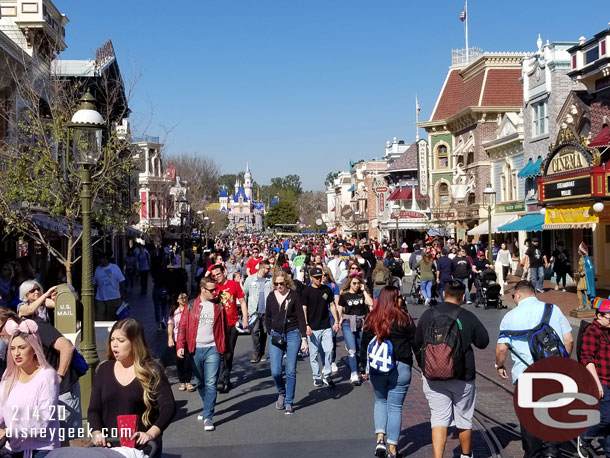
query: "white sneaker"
355, 379
208, 425
333, 368
556, 287
467, 456
199, 417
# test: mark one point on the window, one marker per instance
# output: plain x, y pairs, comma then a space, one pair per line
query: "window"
471, 198
442, 157
591, 55
541, 119
508, 183
470, 159
443, 194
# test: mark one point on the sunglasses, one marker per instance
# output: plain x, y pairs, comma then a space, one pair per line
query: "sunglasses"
356, 283
279, 283
33, 290
210, 290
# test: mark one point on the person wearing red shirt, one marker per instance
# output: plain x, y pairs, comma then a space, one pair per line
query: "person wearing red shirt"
595, 355
379, 252
252, 265
228, 292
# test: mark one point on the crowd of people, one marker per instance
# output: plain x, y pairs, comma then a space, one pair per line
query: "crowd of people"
296, 297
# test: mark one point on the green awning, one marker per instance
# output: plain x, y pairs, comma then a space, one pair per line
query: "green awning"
531, 169
528, 223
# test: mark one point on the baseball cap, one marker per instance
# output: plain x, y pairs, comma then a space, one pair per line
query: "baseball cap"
601, 305
480, 253
315, 272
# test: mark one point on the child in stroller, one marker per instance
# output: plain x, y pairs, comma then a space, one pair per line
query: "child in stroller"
488, 290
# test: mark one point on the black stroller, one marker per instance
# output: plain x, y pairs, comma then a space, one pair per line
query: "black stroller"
488, 291
415, 296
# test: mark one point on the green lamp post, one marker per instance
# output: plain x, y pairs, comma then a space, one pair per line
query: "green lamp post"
87, 125
489, 200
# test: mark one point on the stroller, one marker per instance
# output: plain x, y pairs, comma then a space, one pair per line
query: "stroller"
488, 291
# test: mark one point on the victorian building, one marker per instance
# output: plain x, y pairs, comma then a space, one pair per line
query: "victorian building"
476, 95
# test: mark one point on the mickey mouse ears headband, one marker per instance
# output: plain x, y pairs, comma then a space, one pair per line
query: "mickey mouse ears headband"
25, 327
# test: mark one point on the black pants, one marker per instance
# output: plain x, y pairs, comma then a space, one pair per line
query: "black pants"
259, 335
226, 364
184, 367
505, 270
143, 281
536, 448
561, 275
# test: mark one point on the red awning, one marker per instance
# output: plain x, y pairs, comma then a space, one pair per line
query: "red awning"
404, 194
332, 231
602, 139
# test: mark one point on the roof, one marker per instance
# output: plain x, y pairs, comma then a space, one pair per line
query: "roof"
405, 194
240, 193
73, 67
406, 161
490, 87
223, 193
275, 201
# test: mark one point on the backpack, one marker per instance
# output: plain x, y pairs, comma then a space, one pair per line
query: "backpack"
581, 331
442, 356
380, 357
396, 268
79, 364
379, 278
543, 340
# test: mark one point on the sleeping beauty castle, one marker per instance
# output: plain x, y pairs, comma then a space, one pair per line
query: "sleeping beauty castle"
245, 213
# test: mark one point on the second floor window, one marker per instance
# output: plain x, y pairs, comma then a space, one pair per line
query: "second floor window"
442, 157
443, 194
541, 119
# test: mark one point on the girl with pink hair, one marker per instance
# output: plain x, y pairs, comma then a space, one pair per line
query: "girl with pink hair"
28, 394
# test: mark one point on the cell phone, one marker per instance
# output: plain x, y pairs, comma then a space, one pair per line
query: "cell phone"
127, 425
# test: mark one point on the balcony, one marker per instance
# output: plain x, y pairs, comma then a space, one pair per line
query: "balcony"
38, 17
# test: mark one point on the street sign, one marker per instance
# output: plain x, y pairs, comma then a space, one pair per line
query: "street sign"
381, 189
347, 212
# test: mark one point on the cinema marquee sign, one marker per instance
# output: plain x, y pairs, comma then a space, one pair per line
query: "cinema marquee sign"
569, 154
567, 160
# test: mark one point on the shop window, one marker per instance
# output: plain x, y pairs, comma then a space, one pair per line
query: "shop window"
442, 157
540, 119
587, 237
443, 194
472, 198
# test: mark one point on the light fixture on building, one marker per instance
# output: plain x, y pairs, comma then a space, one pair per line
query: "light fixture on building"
598, 207
543, 211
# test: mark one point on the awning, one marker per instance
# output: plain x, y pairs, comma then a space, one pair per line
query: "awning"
602, 139
496, 222
405, 194
351, 189
56, 224
528, 223
133, 232
531, 169
332, 231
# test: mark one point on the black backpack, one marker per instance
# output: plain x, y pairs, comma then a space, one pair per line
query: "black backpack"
543, 340
442, 354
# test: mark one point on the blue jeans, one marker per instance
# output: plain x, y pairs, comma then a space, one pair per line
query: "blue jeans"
390, 391
537, 277
206, 363
603, 428
464, 281
426, 288
293, 343
441, 289
352, 341
159, 297
320, 341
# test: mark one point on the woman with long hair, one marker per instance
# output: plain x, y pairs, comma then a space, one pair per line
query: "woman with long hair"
355, 302
389, 322
130, 382
426, 268
285, 320
28, 393
183, 365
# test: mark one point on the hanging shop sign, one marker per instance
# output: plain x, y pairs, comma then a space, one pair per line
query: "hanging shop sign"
572, 217
422, 154
506, 208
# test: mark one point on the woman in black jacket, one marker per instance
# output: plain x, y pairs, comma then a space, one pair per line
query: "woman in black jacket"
285, 320
387, 345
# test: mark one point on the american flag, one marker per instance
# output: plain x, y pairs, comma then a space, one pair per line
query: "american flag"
463, 14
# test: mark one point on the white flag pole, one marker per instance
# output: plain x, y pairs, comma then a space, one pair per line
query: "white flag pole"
417, 108
466, 28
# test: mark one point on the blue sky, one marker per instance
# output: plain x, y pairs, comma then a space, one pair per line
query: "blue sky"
300, 86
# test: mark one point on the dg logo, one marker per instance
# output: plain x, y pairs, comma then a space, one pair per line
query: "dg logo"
556, 399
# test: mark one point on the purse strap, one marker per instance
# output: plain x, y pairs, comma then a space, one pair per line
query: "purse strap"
285, 305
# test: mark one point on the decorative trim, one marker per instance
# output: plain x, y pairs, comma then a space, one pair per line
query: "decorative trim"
29, 8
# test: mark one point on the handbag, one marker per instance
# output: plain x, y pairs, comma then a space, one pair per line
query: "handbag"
280, 340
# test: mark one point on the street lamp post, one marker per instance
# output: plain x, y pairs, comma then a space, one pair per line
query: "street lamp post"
182, 205
86, 127
489, 199
206, 225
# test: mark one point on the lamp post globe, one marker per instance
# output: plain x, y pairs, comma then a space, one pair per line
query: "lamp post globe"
87, 129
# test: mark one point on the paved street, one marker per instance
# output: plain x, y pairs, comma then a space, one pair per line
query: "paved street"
327, 422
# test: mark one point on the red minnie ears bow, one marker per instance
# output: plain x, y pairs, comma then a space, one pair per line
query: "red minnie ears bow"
26, 327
